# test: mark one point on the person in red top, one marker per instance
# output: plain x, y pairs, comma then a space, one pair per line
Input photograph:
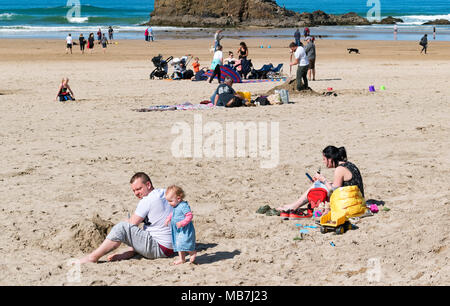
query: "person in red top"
196, 65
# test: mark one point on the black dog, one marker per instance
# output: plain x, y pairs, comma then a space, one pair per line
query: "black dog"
350, 50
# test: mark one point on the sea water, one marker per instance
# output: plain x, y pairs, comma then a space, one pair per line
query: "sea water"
56, 18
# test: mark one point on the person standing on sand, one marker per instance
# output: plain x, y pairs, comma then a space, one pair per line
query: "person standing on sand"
395, 31
297, 37
424, 43
154, 240
146, 34
69, 43
301, 59
216, 63
110, 33
217, 39
99, 35
82, 43
183, 231
434, 32
91, 42
150, 34
310, 50
104, 43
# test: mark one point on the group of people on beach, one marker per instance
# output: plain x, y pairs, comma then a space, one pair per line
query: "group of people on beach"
168, 219
90, 42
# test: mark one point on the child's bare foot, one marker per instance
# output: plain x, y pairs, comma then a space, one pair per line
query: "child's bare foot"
178, 262
192, 257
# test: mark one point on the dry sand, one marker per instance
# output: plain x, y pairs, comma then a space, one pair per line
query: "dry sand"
65, 168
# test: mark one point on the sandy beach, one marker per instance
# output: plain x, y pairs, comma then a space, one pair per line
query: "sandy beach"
64, 164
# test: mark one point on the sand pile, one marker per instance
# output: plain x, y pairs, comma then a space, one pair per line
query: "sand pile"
291, 86
82, 236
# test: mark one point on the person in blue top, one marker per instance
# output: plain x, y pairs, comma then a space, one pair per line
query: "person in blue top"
183, 232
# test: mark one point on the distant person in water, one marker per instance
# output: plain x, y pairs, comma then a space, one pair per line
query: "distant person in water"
99, 35
434, 32
424, 43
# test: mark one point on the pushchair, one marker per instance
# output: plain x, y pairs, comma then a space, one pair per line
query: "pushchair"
161, 67
261, 73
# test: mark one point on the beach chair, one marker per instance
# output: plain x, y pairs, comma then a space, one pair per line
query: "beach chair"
276, 72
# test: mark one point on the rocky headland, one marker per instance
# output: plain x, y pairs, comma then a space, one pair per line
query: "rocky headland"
241, 13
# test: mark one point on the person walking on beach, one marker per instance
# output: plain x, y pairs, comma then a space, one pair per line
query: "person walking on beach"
104, 43
110, 33
310, 50
216, 63
300, 59
146, 34
69, 43
180, 220
154, 240
424, 43
82, 43
91, 42
150, 34
434, 32
395, 31
99, 36
217, 38
297, 37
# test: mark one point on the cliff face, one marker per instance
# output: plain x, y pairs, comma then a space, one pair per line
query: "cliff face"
236, 13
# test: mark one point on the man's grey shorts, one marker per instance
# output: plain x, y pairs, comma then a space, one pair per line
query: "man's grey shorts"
141, 241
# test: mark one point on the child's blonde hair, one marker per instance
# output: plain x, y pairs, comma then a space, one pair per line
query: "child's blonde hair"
179, 192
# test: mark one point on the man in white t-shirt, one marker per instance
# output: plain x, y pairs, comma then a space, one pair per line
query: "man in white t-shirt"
154, 240
69, 42
300, 59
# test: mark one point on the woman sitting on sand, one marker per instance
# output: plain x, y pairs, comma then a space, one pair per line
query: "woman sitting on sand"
346, 174
65, 93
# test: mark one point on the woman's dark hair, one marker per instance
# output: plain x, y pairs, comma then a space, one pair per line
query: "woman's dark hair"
243, 45
336, 154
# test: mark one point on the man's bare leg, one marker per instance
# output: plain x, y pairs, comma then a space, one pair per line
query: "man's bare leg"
106, 247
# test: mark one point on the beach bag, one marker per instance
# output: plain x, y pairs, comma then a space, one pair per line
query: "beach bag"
284, 96
262, 100
274, 99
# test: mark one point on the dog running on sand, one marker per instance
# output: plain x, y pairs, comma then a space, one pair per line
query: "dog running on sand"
350, 50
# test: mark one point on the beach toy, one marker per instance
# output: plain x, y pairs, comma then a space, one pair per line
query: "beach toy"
269, 46
382, 87
310, 226
374, 208
309, 176
317, 214
330, 88
332, 243
247, 96
298, 225
371, 88
262, 46
304, 231
116, 43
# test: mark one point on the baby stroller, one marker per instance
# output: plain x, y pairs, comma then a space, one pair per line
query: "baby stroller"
244, 67
161, 67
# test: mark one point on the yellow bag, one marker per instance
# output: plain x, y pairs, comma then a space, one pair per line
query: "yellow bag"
347, 201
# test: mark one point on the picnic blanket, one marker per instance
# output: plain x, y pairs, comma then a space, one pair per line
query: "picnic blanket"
184, 106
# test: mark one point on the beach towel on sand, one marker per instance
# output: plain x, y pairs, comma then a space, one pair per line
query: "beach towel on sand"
184, 106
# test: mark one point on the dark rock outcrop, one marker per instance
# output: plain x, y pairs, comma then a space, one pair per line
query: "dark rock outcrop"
438, 22
389, 20
241, 13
